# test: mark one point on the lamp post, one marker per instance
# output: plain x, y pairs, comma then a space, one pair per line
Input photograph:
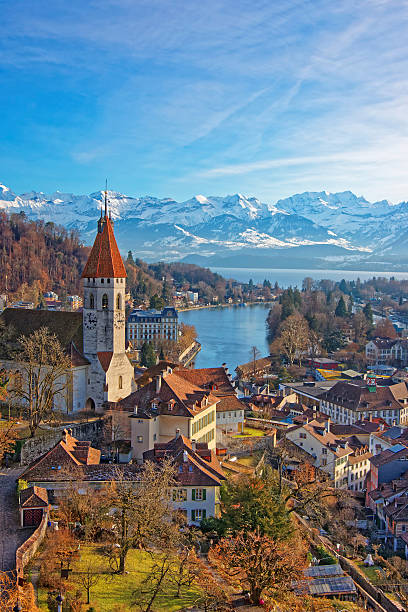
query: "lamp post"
59, 599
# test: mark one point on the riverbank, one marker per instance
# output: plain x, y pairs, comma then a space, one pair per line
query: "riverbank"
206, 306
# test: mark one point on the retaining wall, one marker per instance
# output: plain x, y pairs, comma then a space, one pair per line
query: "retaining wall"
27, 550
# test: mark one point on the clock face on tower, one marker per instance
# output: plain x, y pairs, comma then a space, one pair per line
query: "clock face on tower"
90, 320
118, 320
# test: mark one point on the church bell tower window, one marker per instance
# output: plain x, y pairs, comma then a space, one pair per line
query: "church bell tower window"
104, 301
91, 301
118, 302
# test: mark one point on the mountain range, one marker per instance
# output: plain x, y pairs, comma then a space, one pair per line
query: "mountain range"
308, 230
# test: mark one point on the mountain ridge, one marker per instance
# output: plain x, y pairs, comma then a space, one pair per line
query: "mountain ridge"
343, 225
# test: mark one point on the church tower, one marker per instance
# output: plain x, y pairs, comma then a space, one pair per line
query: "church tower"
110, 375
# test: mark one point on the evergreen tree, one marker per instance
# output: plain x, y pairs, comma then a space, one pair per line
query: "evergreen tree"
350, 306
341, 310
130, 257
343, 286
297, 298
368, 313
147, 355
156, 302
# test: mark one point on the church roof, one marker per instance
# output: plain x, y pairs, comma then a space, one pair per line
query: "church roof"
104, 260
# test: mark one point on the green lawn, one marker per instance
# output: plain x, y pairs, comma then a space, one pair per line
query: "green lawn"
115, 589
375, 574
250, 431
250, 460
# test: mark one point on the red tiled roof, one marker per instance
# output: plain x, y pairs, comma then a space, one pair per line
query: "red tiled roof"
198, 468
105, 357
215, 379
104, 260
34, 497
67, 455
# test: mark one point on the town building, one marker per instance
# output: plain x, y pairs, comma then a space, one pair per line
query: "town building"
345, 460
348, 402
198, 477
152, 326
74, 302
156, 411
378, 351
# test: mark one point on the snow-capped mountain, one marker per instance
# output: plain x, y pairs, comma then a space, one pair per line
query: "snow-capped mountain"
316, 228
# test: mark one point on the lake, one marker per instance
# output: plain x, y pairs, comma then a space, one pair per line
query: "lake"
287, 277
227, 333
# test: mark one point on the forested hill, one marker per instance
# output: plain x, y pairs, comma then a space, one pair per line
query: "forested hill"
36, 256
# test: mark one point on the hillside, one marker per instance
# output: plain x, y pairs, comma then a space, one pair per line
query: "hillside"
319, 229
36, 256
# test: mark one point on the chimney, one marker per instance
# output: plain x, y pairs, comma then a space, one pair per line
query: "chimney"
65, 435
70, 431
158, 382
370, 417
135, 410
394, 422
314, 408
327, 425
177, 433
185, 456
193, 446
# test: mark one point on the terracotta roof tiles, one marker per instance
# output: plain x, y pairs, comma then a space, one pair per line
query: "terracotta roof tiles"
104, 260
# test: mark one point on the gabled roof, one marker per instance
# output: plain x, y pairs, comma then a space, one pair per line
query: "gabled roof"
199, 467
34, 497
215, 379
186, 398
356, 396
104, 260
64, 457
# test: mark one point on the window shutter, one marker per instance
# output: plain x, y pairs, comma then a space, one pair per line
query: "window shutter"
193, 495
204, 494
193, 515
204, 513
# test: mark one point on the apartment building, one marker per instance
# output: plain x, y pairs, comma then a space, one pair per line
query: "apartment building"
152, 326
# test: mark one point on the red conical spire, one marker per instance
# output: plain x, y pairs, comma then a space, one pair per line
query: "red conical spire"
105, 260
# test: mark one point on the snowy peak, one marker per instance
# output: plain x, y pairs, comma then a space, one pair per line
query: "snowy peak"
165, 228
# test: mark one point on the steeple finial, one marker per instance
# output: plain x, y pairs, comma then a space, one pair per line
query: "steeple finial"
106, 199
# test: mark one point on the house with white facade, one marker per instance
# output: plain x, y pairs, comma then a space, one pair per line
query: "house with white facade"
346, 461
348, 402
199, 476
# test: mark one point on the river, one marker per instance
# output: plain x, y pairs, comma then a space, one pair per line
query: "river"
287, 277
228, 333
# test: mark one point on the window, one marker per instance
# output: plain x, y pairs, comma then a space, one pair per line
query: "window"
102, 280
302, 435
198, 515
179, 495
118, 302
91, 301
140, 438
104, 301
324, 461
324, 451
120, 382
198, 494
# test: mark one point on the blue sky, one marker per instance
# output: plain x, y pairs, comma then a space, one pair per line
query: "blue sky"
176, 97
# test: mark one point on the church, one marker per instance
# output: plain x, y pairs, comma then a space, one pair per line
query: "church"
94, 339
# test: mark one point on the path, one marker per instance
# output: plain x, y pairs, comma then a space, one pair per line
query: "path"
11, 534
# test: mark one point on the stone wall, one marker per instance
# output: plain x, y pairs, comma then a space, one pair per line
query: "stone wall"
35, 447
27, 550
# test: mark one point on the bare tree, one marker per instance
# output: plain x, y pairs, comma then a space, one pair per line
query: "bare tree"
185, 569
8, 433
155, 582
259, 563
294, 337
44, 376
11, 594
142, 511
88, 578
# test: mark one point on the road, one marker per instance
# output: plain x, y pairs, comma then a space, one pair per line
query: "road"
11, 534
